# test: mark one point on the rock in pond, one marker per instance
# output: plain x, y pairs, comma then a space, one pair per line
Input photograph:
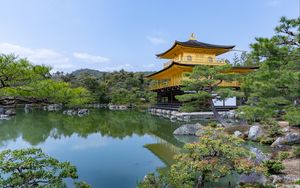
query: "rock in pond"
4, 117
255, 132
53, 107
10, 112
291, 138
82, 112
188, 129
2, 110
79, 112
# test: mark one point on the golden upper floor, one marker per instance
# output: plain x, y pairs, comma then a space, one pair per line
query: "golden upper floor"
194, 51
184, 56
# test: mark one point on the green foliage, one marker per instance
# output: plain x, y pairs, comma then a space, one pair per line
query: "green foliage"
153, 181
215, 155
119, 87
31, 168
297, 182
18, 77
272, 128
273, 91
296, 151
266, 140
282, 155
245, 59
205, 82
212, 124
293, 116
274, 166
82, 184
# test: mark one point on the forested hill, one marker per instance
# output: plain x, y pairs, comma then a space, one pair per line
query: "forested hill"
92, 72
98, 73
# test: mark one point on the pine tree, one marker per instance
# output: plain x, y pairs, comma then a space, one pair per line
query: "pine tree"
204, 85
274, 90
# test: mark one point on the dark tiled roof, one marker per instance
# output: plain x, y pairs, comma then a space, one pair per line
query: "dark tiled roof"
197, 44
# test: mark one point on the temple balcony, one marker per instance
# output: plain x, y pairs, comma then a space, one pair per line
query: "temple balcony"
177, 82
200, 61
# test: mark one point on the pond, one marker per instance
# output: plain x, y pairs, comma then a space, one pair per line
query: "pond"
109, 148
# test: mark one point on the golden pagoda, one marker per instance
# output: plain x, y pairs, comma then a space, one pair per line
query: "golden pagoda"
183, 56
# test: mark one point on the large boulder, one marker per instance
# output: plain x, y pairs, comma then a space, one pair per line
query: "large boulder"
291, 138
253, 178
188, 129
255, 132
259, 155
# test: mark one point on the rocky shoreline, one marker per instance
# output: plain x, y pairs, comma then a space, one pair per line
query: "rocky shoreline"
281, 144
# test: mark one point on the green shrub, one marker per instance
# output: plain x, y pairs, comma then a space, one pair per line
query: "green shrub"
275, 130
297, 182
282, 155
212, 124
296, 151
152, 181
274, 166
266, 140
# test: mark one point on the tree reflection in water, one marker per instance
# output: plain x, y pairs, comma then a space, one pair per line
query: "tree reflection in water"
35, 127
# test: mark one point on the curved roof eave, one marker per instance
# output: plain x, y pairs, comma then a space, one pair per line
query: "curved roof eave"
191, 65
196, 44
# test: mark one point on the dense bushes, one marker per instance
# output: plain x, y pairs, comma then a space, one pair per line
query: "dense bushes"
119, 87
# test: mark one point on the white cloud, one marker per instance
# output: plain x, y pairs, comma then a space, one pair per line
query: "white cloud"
126, 66
38, 56
90, 58
156, 40
151, 65
272, 3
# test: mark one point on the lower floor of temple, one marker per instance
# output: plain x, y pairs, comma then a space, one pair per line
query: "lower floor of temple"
166, 99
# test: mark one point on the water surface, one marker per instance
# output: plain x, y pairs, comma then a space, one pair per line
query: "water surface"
110, 148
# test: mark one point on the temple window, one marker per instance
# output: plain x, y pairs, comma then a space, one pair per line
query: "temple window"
210, 59
189, 58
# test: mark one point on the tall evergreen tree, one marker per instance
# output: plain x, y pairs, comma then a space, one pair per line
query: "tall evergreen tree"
274, 90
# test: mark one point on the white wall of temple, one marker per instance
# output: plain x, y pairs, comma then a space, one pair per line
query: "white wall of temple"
227, 102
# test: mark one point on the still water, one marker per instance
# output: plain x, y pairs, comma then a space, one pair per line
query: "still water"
111, 149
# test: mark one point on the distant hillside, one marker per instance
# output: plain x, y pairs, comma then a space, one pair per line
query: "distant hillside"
95, 73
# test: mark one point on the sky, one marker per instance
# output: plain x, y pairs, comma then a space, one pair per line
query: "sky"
109, 35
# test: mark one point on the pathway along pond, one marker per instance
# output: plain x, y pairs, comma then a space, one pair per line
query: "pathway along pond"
111, 149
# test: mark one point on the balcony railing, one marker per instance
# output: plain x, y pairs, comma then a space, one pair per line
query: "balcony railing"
200, 61
171, 83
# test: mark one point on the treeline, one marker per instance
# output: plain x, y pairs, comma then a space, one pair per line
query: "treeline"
118, 87
33, 83
20, 79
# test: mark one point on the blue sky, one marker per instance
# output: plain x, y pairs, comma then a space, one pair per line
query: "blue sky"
109, 35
